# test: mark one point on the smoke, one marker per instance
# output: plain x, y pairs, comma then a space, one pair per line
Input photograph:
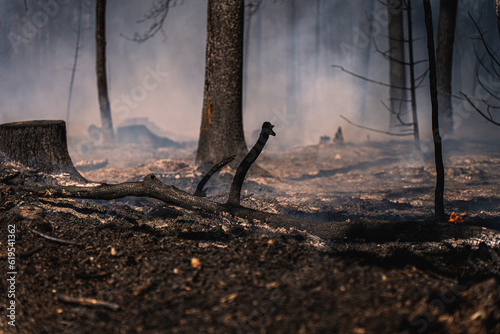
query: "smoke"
289, 79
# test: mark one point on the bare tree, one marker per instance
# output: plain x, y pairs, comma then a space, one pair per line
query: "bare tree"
412, 64
396, 56
221, 132
487, 77
438, 151
75, 60
444, 60
102, 77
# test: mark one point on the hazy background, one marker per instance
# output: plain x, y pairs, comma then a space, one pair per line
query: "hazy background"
293, 87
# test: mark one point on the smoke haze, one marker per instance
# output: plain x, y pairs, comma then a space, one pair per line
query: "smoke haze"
289, 78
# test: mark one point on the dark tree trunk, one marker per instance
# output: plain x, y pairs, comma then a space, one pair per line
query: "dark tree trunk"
497, 2
397, 70
366, 67
221, 132
416, 133
102, 77
39, 144
438, 152
444, 60
75, 61
293, 86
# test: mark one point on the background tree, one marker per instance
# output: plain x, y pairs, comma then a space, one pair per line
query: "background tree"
444, 60
438, 151
396, 55
497, 2
221, 132
102, 77
398, 64
487, 75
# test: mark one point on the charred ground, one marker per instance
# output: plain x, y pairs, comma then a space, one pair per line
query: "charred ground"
160, 268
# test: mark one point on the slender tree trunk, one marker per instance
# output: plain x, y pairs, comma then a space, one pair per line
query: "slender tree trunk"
366, 68
292, 83
102, 77
416, 133
317, 41
444, 60
75, 61
438, 152
221, 132
397, 68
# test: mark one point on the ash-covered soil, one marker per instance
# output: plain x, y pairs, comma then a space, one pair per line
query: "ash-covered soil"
140, 266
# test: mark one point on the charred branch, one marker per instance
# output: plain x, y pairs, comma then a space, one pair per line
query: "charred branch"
157, 15
368, 79
53, 239
370, 230
199, 190
486, 115
491, 67
376, 130
88, 302
241, 172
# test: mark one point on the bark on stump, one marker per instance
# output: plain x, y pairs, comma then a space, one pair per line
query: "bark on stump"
39, 144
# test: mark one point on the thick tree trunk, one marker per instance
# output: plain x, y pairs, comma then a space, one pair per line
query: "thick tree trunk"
102, 76
397, 68
438, 152
39, 144
444, 60
221, 132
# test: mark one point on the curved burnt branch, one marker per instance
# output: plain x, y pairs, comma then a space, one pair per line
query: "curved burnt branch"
151, 187
367, 229
241, 172
376, 130
199, 190
488, 117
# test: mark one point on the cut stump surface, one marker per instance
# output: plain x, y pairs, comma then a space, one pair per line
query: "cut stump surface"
39, 144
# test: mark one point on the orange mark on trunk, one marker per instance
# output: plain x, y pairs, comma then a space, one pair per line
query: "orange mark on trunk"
210, 113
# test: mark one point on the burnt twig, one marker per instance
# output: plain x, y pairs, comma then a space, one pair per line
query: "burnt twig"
368, 79
54, 239
199, 190
376, 130
88, 302
241, 172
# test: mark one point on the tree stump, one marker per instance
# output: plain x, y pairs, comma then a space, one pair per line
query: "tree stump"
39, 144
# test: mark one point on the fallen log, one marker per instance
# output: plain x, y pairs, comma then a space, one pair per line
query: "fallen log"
363, 229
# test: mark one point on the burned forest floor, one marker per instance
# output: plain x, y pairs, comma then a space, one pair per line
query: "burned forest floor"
138, 265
